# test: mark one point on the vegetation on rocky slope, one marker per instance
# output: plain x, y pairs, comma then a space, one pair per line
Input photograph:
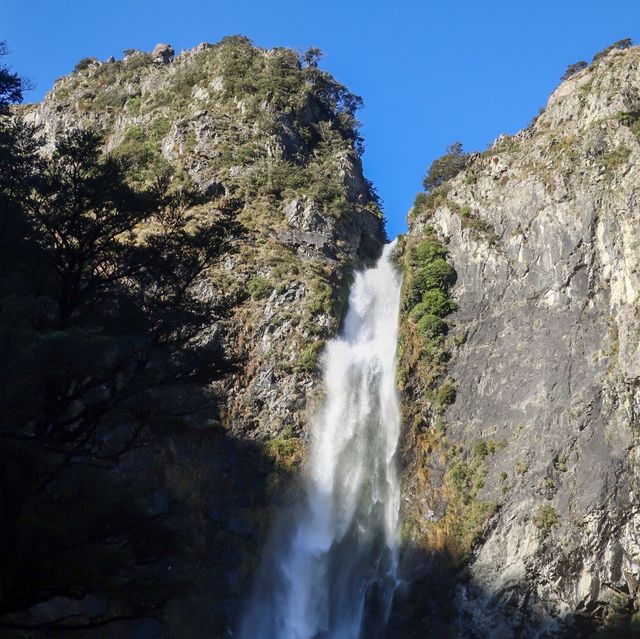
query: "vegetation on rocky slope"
173, 260
279, 122
520, 486
426, 346
177, 242
425, 349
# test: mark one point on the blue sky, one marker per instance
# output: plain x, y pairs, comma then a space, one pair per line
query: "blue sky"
429, 72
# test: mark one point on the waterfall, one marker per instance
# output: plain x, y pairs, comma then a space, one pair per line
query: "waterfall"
330, 569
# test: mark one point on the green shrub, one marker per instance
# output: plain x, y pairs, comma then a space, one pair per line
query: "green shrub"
466, 516
310, 356
286, 449
546, 517
428, 271
437, 274
134, 134
421, 200
470, 178
426, 251
259, 287
85, 63
631, 119
616, 158
137, 62
106, 75
321, 299
628, 118
572, 69
133, 105
471, 525
185, 80
139, 151
110, 99
431, 326
480, 449
427, 302
437, 302
485, 447
459, 477
426, 203
479, 228
418, 311
561, 464
434, 302
159, 128
625, 43
447, 393
446, 167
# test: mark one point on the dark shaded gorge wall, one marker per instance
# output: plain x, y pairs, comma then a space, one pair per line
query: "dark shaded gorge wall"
275, 141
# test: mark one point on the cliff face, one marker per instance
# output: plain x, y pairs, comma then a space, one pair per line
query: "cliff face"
274, 141
542, 437
519, 364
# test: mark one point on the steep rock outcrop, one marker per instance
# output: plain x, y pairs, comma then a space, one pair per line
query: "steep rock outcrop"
217, 117
275, 142
543, 232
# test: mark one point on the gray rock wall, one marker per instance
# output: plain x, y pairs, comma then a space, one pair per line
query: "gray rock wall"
544, 233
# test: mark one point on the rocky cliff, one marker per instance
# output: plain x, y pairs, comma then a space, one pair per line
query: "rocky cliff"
518, 366
271, 144
522, 406
278, 142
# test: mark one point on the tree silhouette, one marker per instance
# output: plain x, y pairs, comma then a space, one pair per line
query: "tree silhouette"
11, 85
445, 167
312, 56
98, 326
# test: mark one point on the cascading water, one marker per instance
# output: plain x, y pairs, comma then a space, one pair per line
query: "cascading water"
330, 569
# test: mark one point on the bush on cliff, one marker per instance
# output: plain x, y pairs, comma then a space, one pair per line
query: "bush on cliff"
446, 167
431, 326
435, 302
436, 274
572, 69
625, 43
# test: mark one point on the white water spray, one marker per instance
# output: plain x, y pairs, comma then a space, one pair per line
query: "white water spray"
330, 570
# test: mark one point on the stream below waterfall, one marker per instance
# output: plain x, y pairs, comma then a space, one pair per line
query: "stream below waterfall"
330, 569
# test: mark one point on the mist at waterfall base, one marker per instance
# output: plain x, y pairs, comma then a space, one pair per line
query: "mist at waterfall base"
329, 570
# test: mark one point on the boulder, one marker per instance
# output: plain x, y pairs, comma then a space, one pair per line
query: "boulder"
163, 54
